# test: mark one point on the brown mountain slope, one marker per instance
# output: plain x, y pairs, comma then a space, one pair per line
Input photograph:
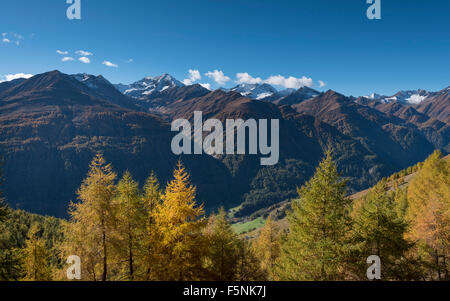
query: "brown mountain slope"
436, 131
388, 137
437, 106
367, 143
51, 127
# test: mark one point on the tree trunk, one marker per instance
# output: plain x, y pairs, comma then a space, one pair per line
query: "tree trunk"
105, 265
130, 247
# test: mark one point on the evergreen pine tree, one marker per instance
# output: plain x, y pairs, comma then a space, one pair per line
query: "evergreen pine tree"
318, 242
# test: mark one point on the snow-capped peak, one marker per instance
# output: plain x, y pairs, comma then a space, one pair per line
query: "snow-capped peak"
149, 85
408, 97
255, 91
375, 96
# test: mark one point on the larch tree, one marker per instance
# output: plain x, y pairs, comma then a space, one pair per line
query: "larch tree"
268, 247
90, 232
248, 264
223, 248
151, 198
378, 229
180, 222
429, 214
130, 230
319, 222
36, 257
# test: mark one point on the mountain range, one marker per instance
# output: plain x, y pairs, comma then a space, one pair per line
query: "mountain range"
52, 124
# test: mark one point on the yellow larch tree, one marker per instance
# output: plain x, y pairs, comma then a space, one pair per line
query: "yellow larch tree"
180, 222
90, 232
36, 261
268, 247
429, 214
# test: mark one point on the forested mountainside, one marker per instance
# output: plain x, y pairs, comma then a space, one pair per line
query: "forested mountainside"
52, 124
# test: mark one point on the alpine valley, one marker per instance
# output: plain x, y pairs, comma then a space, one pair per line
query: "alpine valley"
52, 124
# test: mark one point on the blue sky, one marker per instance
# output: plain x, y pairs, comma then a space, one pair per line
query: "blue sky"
310, 41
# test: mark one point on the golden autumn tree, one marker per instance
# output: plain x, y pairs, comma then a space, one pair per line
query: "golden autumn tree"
180, 222
36, 261
130, 228
89, 233
268, 247
151, 199
429, 214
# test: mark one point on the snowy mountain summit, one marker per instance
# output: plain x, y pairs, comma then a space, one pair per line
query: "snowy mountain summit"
405, 97
255, 91
149, 85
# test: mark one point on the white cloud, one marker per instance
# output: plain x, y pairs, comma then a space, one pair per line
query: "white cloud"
218, 77
206, 86
245, 78
276, 80
67, 58
62, 52
10, 77
322, 84
194, 75
83, 53
84, 60
130, 61
12, 38
290, 82
109, 64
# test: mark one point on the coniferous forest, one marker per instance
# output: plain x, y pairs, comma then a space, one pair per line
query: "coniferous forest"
123, 230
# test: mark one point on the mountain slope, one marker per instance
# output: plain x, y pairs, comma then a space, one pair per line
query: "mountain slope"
368, 144
52, 125
388, 137
437, 105
298, 96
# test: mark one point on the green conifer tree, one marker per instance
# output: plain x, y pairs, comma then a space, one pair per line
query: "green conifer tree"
223, 248
318, 241
379, 230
